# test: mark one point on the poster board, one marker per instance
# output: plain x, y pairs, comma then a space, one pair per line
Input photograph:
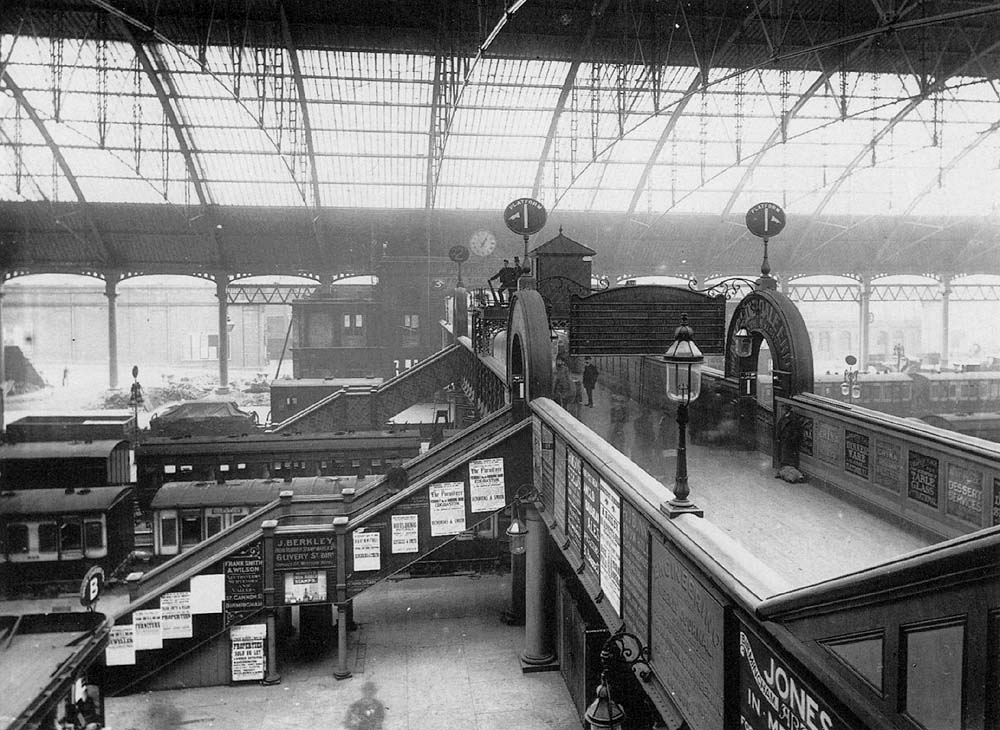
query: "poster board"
247, 660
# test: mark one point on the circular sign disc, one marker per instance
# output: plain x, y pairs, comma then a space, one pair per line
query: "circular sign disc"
765, 220
525, 216
91, 585
458, 254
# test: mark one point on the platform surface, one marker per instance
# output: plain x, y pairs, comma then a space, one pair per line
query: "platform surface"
803, 532
429, 653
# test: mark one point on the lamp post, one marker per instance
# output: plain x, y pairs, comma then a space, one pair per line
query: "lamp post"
517, 532
850, 388
135, 400
684, 361
621, 650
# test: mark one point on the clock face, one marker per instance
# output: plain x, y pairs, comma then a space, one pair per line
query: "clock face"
482, 243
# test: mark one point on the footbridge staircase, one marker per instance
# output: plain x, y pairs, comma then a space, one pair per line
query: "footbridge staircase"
370, 408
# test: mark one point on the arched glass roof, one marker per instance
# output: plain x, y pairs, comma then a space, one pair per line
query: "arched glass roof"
150, 122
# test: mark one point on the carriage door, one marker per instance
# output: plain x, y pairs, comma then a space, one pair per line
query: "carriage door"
166, 531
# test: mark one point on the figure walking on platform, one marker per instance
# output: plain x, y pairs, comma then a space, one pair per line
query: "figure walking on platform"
619, 417
562, 387
645, 439
590, 375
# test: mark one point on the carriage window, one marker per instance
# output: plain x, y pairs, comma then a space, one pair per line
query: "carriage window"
17, 538
169, 468
70, 535
190, 527
48, 537
223, 467
93, 535
213, 524
241, 467
168, 531
186, 468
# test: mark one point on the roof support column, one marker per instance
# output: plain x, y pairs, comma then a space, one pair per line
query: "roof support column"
110, 291
538, 641
864, 300
221, 282
945, 301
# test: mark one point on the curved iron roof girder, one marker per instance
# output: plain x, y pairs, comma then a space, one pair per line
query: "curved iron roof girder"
59, 158
293, 57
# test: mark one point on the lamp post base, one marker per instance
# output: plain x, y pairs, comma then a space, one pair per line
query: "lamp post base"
681, 507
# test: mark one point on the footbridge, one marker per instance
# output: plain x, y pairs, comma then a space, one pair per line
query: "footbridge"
865, 597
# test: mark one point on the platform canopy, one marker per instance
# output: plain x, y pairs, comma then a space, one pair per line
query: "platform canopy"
262, 135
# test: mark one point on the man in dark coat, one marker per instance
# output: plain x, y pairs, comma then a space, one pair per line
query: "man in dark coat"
590, 374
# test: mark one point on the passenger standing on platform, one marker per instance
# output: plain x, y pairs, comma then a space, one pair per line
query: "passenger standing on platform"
87, 710
619, 417
668, 440
645, 438
789, 433
590, 375
562, 388
504, 277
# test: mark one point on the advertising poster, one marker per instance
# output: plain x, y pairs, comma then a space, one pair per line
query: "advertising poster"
121, 646
404, 534
367, 550
486, 485
611, 547
244, 580
965, 493
559, 497
175, 619
635, 566
888, 466
309, 550
771, 695
996, 501
447, 508
305, 586
686, 627
856, 454
828, 442
574, 496
922, 485
548, 439
247, 654
147, 633
591, 520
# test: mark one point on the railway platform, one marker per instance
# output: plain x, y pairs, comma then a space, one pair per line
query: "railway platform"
803, 532
428, 653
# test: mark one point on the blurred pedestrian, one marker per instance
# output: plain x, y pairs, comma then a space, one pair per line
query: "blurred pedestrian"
590, 375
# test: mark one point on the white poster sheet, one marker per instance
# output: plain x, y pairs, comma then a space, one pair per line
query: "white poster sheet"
146, 625
367, 550
611, 547
447, 508
486, 485
247, 655
175, 621
305, 586
121, 646
404, 534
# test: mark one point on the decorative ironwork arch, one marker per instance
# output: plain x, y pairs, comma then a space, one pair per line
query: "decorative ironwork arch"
768, 314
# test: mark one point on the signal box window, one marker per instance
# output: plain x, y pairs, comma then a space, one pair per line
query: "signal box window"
411, 330
17, 538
